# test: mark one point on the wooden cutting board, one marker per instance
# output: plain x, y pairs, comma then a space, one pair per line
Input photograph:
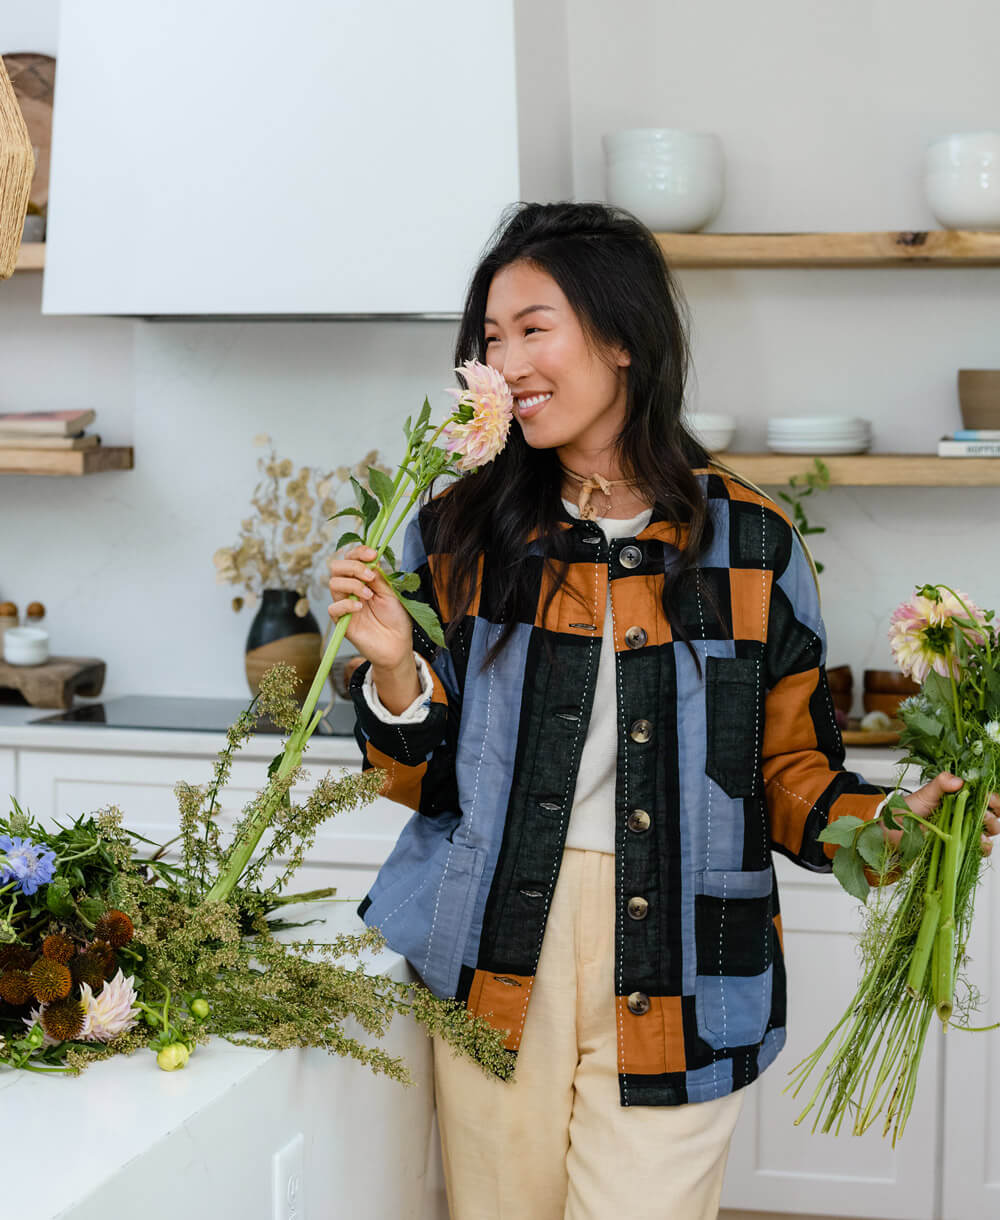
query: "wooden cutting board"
56, 682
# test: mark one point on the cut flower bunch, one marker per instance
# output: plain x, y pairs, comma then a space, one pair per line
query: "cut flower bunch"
106, 946
916, 931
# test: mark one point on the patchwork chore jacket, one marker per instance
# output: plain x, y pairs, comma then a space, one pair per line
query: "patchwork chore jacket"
715, 772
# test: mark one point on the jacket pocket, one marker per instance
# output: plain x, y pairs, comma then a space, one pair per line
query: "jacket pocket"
734, 724
426, 913
735, 949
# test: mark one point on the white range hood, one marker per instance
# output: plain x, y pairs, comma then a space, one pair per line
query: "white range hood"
245, 158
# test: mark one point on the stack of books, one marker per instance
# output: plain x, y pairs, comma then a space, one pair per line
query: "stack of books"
970, 442
47, 430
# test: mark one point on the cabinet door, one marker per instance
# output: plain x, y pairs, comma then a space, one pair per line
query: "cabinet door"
777, 1167
215, 157
55, 784
972, 1081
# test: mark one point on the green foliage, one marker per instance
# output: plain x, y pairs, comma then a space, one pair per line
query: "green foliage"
802, 486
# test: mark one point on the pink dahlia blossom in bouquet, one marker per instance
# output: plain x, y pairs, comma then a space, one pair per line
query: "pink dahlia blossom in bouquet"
916, 931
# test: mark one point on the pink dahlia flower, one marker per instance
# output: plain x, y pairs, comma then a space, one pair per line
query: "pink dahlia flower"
110, 1012
921, 637
480, 425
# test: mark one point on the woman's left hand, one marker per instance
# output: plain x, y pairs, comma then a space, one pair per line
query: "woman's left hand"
926, 800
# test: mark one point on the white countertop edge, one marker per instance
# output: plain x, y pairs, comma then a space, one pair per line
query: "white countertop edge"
101, 739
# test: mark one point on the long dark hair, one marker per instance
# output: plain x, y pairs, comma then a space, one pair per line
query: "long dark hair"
613, 273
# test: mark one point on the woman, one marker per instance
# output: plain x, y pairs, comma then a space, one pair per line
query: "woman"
631, 714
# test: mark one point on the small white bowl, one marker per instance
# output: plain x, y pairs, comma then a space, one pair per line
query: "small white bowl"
962, 180
714, 431
673, 181
25, 646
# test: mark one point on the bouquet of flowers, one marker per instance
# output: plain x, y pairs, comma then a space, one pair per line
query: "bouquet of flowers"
105, 946
915, 934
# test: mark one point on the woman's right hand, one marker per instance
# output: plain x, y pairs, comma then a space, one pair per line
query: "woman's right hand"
379, 627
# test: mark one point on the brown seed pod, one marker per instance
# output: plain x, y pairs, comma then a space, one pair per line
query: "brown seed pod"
88, 968
58, 948
102, 953
64, 1018
15, 957
15, 987
49, 980
115, 927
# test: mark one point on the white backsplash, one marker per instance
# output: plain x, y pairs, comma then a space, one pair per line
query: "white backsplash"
824, 115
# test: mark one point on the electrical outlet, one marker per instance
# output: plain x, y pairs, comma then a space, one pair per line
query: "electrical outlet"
287, 1192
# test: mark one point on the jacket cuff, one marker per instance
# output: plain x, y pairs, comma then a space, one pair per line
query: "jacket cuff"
418, 709
405, 741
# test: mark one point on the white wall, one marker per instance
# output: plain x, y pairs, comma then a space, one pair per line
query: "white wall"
823, 110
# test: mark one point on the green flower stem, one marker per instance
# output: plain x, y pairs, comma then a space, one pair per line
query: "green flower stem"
945, 978
280, 900
378, 536
925, 941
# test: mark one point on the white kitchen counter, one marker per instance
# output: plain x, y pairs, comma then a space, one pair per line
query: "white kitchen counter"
126, 1139
18, 731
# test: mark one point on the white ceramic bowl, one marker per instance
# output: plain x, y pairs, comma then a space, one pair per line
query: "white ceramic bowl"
714, 431
25, 646
673, 181
962, 180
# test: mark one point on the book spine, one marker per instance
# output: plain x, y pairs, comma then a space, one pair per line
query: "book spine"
948, 448
975, 434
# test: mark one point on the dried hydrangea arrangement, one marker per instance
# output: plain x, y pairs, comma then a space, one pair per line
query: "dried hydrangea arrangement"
280, 542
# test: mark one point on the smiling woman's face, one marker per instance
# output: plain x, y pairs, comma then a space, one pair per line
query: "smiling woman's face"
565, 395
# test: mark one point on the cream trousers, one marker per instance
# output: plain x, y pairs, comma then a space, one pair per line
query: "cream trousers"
555, 1144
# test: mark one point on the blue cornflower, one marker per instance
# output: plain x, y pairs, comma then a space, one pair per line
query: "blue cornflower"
27, 863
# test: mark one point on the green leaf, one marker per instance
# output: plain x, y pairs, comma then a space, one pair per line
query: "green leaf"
406, 582
850, 872
924, 724
425, 618
872, 846
912, 842
369, 505
350, 536
91, 909
58, 900
381, 485
390, 558
274, 764
896, 801
406, 428
842, 830
425, 414
344, 512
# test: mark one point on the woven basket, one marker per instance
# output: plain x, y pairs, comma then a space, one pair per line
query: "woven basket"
17, 164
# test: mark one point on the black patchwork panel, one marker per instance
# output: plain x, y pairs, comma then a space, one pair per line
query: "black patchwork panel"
732, 935
702, 602
734, 709
758, 538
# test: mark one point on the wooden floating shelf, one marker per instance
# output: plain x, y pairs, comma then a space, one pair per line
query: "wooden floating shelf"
869, 469
933, 248
920, 248
66, 461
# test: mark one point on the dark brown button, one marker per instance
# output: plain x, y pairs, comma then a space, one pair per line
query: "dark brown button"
641, 730
638, 1003
630, 557
639, 821
635, 637
638, 908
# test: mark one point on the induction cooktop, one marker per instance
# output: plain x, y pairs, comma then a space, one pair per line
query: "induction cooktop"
188, 715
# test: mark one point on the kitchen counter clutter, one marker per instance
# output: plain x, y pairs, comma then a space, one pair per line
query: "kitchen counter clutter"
133, 1141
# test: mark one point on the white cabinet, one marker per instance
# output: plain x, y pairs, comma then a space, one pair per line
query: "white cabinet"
244, 157
62, 783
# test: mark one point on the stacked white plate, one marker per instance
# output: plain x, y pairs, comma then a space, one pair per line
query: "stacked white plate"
819, 434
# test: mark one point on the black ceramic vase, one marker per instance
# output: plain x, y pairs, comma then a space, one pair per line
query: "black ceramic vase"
277, 633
